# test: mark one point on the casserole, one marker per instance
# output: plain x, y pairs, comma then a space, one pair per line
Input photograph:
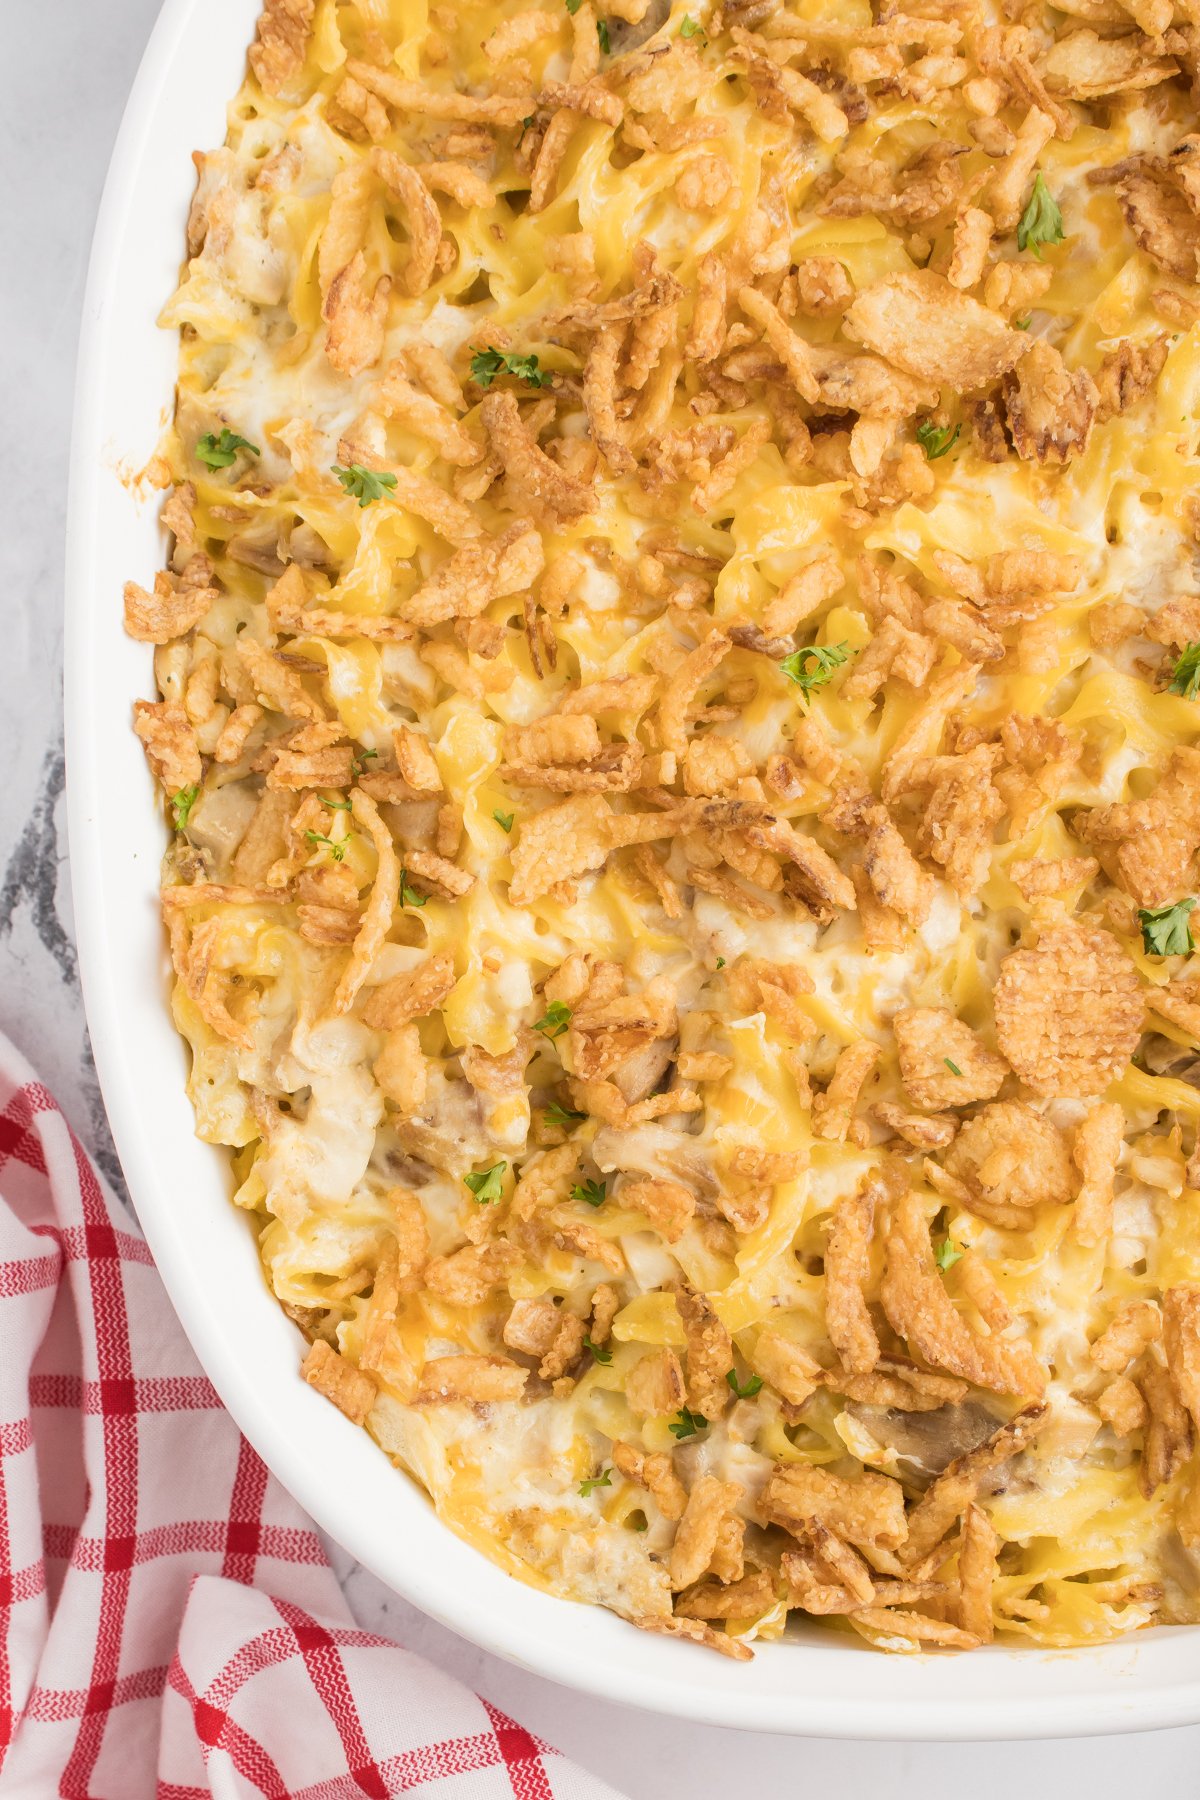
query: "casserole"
204, 1249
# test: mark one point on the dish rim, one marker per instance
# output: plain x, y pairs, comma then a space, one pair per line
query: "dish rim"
820, 1686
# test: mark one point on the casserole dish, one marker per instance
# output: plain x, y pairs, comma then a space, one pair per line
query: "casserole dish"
205, 1249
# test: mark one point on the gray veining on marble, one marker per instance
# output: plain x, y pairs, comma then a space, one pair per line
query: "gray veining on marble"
70, 66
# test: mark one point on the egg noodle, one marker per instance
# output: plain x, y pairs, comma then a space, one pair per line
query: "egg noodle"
679, 674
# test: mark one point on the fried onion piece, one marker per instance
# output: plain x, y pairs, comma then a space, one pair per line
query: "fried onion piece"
652, 1470
472, 1379
1181, 1344
351, 1391
919, 323
1125, 1337
412, 995
421, 213
867, 1510
708, 1505
746, 1598
470, 580
169, 742
526, 464
920, 1310
709, 1353
1049, 409
1149, 844
789, 1368
284, 28
177, 603
942, 1061
380, 908
424, 100
847, 1274
1010, 1157
1167, 1439
1069, 1010
1096, 1151
697, 1632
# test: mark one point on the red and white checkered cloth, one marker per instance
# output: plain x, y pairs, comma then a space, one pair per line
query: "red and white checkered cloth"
169, 1625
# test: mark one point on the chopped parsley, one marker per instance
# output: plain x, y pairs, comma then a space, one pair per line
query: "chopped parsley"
562, 1116
1041, 222
595, 1481
1168, 931
602, 34
720, 962
686, 1423
936, 440
362, 483
503, 820
409, 895
598, 1351
952, 1066
592, 1193
358, 764
218, 451
753, 1383
813, 666
554, 1020
573, 6
946, 1255
487, 364
1023, 324
487, 1185
335, 846
1185, 678
691, 27
182, 804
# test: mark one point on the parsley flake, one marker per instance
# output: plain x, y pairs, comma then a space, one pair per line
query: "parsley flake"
595, 1481
753, 1383
487, 1185
573, 6
598, 1351
409, 895
487, 364
335, 846
562, 1116
691, 27
1168, 931
813, 666
1041, 222
592, 1193
1023, 324
720, 962
182, 804
952, 1066
602, 34
686, 1423
358, 764
1185, 678
936, 440
503, 820
945, 1256
362, 483
218, 451
554, 1020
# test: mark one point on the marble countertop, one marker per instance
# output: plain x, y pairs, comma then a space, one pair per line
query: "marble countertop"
56, 130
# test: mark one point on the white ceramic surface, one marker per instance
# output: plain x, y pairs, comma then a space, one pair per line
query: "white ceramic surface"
204, 1249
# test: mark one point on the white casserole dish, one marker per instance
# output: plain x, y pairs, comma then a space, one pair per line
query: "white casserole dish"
821, 1685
